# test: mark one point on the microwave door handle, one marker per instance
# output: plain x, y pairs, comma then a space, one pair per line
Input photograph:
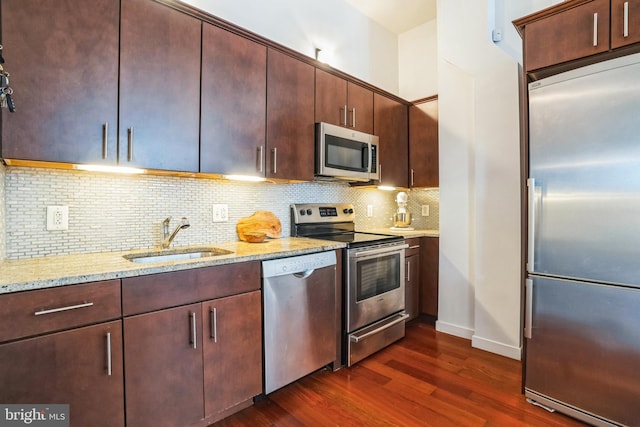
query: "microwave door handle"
366, 157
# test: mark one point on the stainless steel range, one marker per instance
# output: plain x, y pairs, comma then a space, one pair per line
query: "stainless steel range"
373, 277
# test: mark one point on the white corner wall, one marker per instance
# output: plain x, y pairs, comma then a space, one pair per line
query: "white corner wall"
356, 44
479, 286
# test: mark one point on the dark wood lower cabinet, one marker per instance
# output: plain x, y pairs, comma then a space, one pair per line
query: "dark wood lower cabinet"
429, 255
232, 346
412, 278
163, 367
70, 367
194, 362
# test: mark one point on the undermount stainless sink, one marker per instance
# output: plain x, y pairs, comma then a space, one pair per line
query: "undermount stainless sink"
169, 255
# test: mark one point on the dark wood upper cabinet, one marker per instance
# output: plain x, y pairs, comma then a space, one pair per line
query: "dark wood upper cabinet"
423, 144
392, 127
290, 118
625, 22
159, 87
63, 63
573, 30
233, 116
343, 103
68, 367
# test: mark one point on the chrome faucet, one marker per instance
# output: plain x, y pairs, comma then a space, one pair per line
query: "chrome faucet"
168, 238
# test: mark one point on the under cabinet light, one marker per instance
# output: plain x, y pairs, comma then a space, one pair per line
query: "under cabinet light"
245, 178
110, 169
386, 188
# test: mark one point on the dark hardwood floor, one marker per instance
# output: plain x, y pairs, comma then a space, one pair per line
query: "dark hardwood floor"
426, 379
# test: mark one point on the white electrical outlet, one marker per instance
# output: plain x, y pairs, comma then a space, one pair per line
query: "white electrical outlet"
220, 213
369, 211
425, 210
57, 218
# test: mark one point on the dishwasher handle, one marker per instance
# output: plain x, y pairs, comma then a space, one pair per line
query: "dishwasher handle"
304, 274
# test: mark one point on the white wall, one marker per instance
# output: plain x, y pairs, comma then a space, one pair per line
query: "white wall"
418, 61
479, 181
358, 45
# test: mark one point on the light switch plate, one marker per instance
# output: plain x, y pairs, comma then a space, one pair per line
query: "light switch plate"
57, 218
220, 213
425, 210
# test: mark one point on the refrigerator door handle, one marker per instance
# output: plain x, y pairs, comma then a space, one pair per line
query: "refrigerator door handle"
531, 224
528, 309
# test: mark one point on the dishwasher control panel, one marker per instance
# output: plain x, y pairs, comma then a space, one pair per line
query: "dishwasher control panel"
298, 264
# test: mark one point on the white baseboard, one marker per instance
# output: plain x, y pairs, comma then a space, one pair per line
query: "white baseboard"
451, 329
496, 347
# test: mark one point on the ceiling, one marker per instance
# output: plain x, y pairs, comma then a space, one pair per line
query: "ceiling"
397, 16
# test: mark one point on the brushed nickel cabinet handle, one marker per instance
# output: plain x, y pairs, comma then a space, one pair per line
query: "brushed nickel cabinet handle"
109, 369
353, 117
261, 159
626, 20
214, 324
130, 144
412, 176
67, 308
345, 115
595, 29
194, 330
408, 271
105, 140
275, 160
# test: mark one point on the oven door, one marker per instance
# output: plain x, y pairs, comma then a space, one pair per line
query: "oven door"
375, 284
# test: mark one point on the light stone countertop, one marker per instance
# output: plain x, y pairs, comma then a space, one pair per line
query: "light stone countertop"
406, 233
46, 272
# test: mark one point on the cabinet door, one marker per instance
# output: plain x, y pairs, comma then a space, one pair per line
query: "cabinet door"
232, 346
625, 22
159, 87
423, 144
331, 98
571, 34
234, 94
429, 255
68, 367
290, 113
163, 367
360, 106
391, 126
63, 61
412, 286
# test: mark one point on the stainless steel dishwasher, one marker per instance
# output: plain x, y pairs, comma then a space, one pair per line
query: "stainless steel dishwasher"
299, 317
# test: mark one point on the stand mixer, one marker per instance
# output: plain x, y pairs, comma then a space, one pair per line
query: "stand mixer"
402, 218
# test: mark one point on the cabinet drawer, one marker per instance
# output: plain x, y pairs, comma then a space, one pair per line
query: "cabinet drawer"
158, 291
414, 247
35, 312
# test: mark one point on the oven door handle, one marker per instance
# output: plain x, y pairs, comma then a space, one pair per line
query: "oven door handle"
388, 249
357, 338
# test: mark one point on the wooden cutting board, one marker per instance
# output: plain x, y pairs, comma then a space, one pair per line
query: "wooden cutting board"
261, 221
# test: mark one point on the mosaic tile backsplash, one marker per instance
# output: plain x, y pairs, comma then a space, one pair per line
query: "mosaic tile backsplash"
115, 212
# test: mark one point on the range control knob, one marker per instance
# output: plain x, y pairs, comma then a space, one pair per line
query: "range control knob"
345, 211
309, 212
302, 211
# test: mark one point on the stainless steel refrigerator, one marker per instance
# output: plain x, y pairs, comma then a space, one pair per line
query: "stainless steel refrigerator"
582, 314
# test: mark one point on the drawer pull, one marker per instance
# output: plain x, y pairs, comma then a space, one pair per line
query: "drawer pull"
414, 247
57, 310
595, 30
625, 28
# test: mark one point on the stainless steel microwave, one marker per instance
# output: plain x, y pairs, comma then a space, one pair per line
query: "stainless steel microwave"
346, 154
